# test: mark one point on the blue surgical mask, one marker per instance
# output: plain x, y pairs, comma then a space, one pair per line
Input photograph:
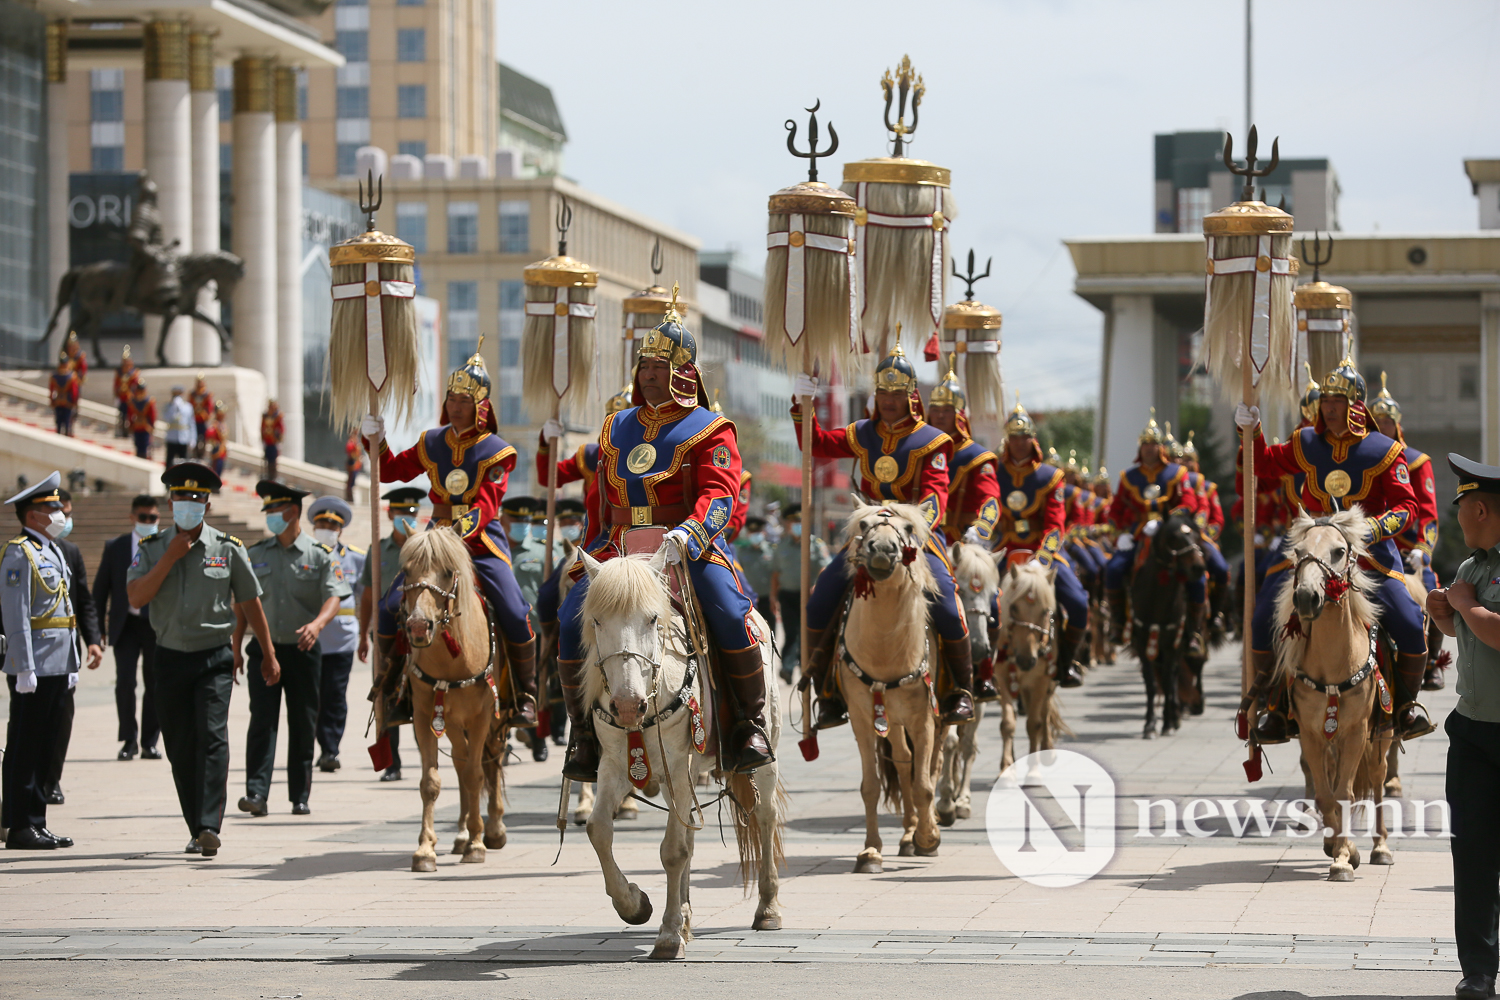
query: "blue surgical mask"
188, 514
144, 530
406, 524
518, 531
275, 523
572, 532
756, 537
67, 528
539, 532
796, 527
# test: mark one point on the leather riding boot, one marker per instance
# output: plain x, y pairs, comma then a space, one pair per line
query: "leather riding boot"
1068, 674
751, 743
984, 680
581, 762
1411, 718
1218, 616
522, 659
1271, 724
1116, 600
1436, 660
1197, 640
832, 711
958, 706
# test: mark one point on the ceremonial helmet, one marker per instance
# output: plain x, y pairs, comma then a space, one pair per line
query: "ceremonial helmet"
125, 355
1346, 381
64, 358
1189, 449
1173, 446
472, 379
1072, 463
1384, 404
619, 401
1310, 397
1102, 476
1151, 433
949, 392
674, 343
895, 373
1019, 422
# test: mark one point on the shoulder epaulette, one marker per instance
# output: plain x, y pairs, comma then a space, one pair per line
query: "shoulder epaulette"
18, 540
356, 549
325, 548
235, 540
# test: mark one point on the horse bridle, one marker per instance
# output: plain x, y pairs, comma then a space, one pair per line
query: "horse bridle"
447, 610
1332, 574
908, 552
654, 662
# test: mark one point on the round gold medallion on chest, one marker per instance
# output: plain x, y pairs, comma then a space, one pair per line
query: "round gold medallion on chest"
1016, 500
641, 458
456, 481
1337, 483
886, 469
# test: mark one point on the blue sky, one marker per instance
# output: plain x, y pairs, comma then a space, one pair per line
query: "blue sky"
1043, 111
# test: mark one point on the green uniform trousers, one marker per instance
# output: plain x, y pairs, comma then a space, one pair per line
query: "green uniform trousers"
192, 705
301, 673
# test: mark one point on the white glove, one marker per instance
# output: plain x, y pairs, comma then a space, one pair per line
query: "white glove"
676, 544
804, 385
1246, 416
26, 682
1151, 528
552, 429
372, 429
971, 536
1124, 543
72, 681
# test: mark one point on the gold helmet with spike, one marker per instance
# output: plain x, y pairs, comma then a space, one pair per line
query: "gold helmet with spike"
716, 407
472, 379
950, 392
1103, 476
1173, 446
1346, 381
1310, 396
619, 401
1019, 422
1384, 404
1189, 449
895, 373
1151, 433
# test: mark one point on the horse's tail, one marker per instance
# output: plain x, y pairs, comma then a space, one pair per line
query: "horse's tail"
1054, 719
890, 778
747, 829
64, 296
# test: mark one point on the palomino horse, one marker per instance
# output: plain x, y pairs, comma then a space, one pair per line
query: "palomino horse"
452, 691
978, 581
884, 674
1325, 647
642, 680
1159, 607
1028, 615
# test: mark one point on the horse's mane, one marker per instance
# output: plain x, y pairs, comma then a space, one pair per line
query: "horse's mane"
1290, 649
623, 586
918, 571
439, 550
1031, 579
972, 563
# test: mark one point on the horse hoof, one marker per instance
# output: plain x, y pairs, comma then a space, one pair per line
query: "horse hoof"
642, 909
908, 850
494, 841
423, 863
580, 819
628, 812
1354, 856
868, 866
666, 951
1393, 788
461, 845
946, 818
1340, 873
1382, 856
767, 922
1149, 733
473, 857
1196, 709
927, 852
963, 812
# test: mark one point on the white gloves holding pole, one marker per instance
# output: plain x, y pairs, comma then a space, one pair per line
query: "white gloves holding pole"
372, 429
1246, 416
552, 429
804, 385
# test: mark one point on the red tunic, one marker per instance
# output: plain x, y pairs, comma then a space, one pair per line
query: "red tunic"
203, 405
741, 508
64, 392
921, 470
491, 471
272, 428
140, 414
123, 381
213, 434
582, 465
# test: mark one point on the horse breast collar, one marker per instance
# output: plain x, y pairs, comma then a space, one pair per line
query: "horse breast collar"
1335, 691
878, 688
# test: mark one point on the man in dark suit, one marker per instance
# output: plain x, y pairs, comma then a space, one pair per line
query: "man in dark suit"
88, 626
130, 633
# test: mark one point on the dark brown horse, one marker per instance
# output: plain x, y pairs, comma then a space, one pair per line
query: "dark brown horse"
1159, 611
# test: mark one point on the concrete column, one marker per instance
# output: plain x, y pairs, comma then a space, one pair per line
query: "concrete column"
205, 168
289, 258
1129, 384
1489, 377
253, 177
169, 136
58, 232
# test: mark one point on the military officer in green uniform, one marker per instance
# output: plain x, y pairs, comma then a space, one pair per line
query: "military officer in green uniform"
756, 555
41, 664
303, 584
205, 582
786, 582
403, 505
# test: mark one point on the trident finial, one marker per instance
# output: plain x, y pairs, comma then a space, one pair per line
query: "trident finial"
1248, 171
971, 277
906, 81
371, 204
656, 261
812, 154
1318, 258
564, 223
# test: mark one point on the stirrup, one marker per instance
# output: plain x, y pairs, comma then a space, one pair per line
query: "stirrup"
516, 715
832, 713
1431, 726
747, 757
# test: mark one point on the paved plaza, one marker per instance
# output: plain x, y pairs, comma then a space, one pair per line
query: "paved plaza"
336, 886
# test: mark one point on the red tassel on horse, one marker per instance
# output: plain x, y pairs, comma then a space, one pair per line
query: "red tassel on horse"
454, 649
863, 585
1292, 628
1335, 588
908, 555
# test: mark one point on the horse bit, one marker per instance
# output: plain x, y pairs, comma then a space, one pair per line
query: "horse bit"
446, 610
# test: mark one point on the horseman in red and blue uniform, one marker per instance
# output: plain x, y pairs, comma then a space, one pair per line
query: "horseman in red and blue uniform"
1422, 534
1210, 518
1078, 503
902, 459
1151, 488
468, 464
1345, 462
669, 461
1032, 523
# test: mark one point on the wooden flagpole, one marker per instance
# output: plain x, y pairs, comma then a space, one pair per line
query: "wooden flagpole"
1250, 492
551, 494
809, 417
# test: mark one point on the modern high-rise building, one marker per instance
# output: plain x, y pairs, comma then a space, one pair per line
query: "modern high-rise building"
1192, 181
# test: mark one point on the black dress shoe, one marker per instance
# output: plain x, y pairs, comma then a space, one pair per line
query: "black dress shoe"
208, 843
300, 809
150, 753
391, 774
192, 847
253, 804
539, 748
128, 751
28, 838
1475, 988
55, 796
61, 841
329, 762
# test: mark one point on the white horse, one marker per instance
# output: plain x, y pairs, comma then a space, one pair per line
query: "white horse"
978, 581
1028, 616
642, 680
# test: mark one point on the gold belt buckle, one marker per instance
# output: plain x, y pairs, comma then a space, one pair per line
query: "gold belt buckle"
640, 516
459, 510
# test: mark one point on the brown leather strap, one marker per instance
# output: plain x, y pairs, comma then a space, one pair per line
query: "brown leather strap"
668, 514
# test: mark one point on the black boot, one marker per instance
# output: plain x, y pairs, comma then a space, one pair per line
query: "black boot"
1271, 724
522, 659
958, 705
1068, 674
1411, 718
984, 680
1434, 680
745, 674
816, 671
581, 762
1116, 601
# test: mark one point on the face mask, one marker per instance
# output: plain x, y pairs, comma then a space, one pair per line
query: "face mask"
275, 523
539, 531
67, 528
518, 532
144, 530
406, 524
328, 536
796, 530
188, 514
56, 524
756, 537
572, 532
